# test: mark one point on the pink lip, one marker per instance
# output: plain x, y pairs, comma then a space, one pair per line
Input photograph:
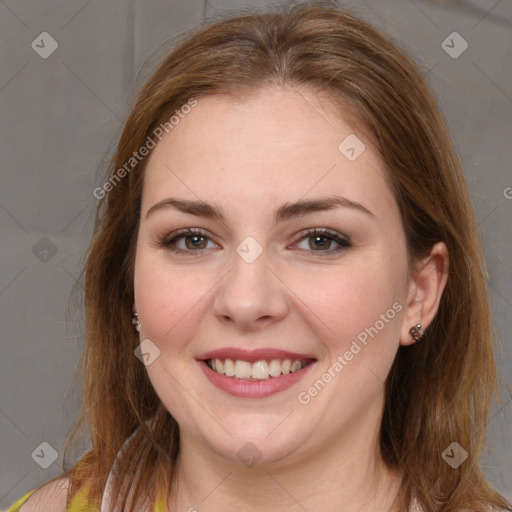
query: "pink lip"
252, 355
254, 389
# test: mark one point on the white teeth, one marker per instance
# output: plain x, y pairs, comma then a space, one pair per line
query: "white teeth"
229, 368
218, 366
243, 370
295, 366
275, 368
259, 370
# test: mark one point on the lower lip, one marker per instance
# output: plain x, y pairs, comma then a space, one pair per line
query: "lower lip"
253, 388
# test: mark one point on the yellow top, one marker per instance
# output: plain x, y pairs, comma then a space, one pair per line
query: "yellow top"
81, 503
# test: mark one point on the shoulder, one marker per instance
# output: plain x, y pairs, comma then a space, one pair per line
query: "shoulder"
51, 497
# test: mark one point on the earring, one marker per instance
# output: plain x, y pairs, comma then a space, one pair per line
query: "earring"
416, 332
135, 321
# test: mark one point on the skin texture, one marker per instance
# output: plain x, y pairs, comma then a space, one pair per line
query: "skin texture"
250, 157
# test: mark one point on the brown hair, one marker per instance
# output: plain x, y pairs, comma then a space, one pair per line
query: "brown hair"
438, 391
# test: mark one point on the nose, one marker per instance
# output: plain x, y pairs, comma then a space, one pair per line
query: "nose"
251, 295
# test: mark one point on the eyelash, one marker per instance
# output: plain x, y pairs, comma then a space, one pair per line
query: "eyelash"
170, 241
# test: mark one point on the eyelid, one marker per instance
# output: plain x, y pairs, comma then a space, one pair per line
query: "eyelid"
322, 231
187, 232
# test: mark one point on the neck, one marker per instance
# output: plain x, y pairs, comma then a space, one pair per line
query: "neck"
345, 473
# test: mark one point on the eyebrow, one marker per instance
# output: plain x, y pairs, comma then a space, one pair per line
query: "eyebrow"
285, 212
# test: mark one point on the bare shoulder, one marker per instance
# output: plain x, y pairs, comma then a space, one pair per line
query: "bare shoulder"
52, 497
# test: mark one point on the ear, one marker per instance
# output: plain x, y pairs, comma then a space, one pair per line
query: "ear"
426, 286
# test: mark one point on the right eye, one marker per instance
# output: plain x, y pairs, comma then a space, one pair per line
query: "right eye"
190, 241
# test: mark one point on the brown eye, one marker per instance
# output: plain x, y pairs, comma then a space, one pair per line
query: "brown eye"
195, 242
322, 240
319, 242
189, 241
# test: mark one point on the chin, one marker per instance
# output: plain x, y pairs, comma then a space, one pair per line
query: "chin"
261, 444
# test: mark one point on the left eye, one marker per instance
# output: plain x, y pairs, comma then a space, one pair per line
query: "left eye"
321, 240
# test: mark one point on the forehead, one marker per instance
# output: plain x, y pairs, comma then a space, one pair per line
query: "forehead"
280, 145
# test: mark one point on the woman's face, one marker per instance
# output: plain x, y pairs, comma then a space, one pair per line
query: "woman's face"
296, 252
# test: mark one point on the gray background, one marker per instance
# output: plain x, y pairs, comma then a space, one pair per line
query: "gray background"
61, 116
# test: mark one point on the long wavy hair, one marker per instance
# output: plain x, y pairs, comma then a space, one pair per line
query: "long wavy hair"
437, 391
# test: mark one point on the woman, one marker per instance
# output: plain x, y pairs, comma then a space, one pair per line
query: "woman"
285, 295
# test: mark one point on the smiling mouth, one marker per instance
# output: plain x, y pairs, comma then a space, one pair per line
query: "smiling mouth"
264, 369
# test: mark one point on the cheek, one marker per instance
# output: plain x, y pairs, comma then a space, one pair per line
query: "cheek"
168, 298
345, 300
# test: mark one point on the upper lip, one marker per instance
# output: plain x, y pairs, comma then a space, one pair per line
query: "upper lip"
252, 355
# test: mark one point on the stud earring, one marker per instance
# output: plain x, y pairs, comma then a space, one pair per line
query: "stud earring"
135, 321
416, 332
